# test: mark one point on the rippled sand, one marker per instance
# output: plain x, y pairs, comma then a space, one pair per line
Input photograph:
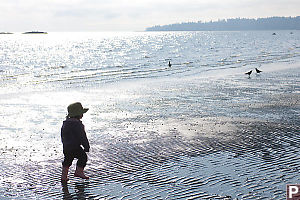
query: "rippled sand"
198, 138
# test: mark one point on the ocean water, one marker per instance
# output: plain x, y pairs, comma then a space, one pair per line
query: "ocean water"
200, 129
69, 60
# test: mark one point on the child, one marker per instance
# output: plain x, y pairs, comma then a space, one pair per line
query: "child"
73, 137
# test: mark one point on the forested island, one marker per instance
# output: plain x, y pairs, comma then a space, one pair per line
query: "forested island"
237, 24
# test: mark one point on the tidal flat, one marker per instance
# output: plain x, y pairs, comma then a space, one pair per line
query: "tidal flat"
197, 137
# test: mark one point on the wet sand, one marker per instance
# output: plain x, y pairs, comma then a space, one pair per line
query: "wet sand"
224, 137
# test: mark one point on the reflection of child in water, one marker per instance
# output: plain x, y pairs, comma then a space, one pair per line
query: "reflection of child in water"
73, 137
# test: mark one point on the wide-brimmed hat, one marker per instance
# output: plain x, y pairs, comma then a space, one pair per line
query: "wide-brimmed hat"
76, 109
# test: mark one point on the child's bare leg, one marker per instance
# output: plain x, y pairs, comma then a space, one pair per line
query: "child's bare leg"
64, 174
81, 163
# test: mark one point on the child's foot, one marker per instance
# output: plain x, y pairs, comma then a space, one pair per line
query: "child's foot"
81, 176
79, 173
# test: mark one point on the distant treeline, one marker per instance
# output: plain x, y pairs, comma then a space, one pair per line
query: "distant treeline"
237, 24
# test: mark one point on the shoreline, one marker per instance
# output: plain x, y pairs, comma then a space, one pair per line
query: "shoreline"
219, 73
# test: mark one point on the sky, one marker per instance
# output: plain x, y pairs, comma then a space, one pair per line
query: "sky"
130, 15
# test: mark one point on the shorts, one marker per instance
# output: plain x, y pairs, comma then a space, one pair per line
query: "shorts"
77, 153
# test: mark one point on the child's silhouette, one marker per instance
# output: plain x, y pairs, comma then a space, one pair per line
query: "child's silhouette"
73, 137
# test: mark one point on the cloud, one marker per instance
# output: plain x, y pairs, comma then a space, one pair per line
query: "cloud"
93, 15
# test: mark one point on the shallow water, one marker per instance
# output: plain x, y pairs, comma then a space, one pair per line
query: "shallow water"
68, 60
212, 135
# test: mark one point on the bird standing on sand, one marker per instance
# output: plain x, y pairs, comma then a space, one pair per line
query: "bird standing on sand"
257, 70
170, 64
248, 73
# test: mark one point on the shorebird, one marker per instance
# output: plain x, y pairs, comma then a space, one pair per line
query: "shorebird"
248, 73
170, 64
257, 70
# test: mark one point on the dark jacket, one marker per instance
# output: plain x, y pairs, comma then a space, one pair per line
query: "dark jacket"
73, 135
